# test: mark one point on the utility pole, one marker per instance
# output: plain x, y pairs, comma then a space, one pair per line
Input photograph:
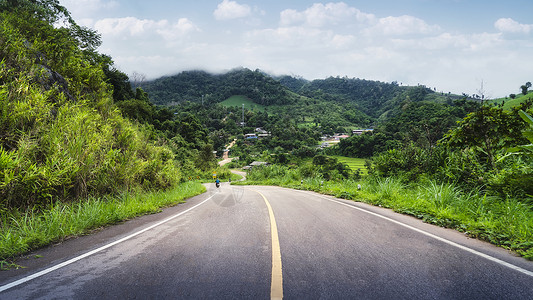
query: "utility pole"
242, 115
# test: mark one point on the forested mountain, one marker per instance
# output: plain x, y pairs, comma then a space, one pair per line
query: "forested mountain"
193, 85
372, 98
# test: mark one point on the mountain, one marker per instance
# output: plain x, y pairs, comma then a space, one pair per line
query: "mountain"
372, 98
193, 85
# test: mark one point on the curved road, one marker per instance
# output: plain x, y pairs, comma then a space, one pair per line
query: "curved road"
262, 242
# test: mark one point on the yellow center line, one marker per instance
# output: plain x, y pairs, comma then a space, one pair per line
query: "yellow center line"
276, 287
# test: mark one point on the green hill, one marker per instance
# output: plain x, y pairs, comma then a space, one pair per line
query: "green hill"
196, 86
508, 103
239, 101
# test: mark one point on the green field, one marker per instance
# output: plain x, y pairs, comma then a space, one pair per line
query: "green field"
509, 103
240, 100
353, 163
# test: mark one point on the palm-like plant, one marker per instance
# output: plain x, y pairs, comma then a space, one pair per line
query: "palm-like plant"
528, 133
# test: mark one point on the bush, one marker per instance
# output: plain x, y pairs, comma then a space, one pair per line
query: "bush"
410, 162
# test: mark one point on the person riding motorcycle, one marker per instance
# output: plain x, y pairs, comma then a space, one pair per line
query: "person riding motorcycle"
217, 182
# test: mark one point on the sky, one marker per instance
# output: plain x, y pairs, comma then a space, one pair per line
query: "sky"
459, 46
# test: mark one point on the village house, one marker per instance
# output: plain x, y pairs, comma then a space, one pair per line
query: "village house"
361, 131
338, 137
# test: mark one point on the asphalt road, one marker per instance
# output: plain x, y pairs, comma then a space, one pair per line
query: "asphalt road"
221, 245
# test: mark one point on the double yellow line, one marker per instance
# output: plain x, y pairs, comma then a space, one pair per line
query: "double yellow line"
276, 287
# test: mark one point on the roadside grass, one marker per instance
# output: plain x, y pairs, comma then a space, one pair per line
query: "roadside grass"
354, 163
239, 100
504, 222
21, 232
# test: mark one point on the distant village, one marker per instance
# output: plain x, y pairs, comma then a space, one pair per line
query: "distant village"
330, 140
327, 141
259, 133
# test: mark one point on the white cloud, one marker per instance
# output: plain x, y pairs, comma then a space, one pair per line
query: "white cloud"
183, 27
320, 15
133, 27
128, 25
512, 26
403, 25
228, 10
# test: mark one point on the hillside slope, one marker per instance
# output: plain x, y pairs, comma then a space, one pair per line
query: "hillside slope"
61, 136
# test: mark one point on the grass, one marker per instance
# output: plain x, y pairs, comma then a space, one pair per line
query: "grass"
240, 100
353, 163
503, 222
509, 103
21, 232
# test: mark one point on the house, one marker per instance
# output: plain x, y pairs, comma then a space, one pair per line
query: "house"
258, 163
361, 131
255, 164
339, 137
261, 133
249, 136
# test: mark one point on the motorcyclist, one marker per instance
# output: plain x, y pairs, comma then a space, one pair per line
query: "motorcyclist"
217, 182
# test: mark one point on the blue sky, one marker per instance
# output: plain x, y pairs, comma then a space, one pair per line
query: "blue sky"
450, 45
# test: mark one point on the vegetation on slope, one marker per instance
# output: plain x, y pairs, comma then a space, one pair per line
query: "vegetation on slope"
193, 85
73, 137
61, 137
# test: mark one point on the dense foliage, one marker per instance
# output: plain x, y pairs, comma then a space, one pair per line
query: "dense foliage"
471, 155
61, 136
420, 122
198, 85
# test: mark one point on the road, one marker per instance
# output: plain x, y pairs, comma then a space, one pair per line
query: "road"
266, 242
225, 157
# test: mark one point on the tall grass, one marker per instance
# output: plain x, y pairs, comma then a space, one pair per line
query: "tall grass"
21, 232
504, 222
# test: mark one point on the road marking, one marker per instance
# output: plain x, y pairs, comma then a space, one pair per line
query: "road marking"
75, 259
475, 252
276, 287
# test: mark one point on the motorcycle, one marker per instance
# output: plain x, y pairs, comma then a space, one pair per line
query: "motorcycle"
217, 184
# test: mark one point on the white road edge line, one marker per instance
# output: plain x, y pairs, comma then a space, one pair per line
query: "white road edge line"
75, 259
486, 256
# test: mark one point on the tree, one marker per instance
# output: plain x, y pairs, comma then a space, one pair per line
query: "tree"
525, 88
120, 82
52, 12
206, 160
138, 79
487, 131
